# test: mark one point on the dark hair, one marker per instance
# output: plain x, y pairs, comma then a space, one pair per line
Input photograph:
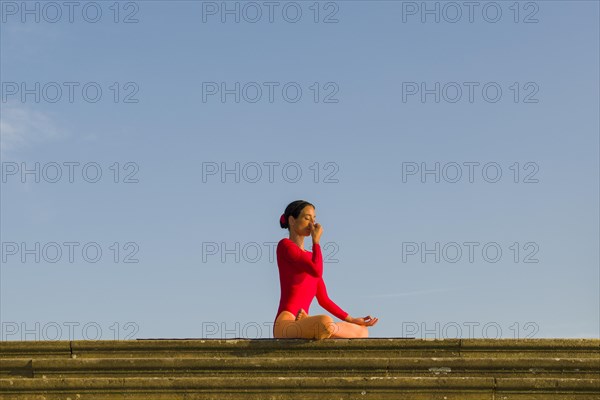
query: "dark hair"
293, 209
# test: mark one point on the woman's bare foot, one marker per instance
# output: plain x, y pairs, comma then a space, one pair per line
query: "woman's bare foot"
301, 314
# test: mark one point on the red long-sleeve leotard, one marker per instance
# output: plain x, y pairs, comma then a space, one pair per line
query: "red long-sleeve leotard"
301, 278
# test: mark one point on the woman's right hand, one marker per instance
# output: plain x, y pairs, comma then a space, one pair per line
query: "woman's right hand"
316, 230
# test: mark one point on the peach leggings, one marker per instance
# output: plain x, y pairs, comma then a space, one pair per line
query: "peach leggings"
315, 327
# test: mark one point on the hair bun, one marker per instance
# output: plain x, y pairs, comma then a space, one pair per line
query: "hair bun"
283, 221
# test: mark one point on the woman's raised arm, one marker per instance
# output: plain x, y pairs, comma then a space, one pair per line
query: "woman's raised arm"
302, 260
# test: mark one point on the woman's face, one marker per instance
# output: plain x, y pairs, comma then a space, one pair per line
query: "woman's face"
302, 224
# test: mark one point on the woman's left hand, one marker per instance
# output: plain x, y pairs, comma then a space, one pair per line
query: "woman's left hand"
366, 321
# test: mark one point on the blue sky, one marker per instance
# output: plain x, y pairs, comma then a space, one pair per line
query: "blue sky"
358, 127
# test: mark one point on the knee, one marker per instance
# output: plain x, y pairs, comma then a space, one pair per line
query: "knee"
365, 331
325, 327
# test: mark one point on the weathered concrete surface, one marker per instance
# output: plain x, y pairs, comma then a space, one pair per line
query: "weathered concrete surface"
372, 368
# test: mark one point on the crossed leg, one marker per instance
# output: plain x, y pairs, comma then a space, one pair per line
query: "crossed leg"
342, 330
347, 330
315, 327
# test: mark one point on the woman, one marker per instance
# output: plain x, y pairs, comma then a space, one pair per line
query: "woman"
301, 278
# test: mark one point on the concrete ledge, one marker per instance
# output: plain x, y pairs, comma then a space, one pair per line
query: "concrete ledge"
152, 384
235, 347
250, 369
59, 348
541, 367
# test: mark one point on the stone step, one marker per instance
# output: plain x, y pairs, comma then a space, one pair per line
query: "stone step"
304, 366
281, 369
380, 347
320, 387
